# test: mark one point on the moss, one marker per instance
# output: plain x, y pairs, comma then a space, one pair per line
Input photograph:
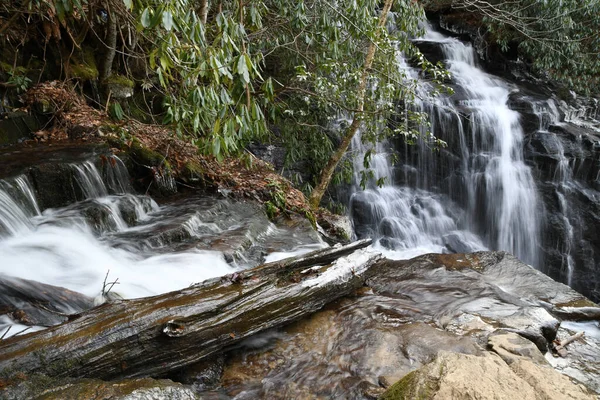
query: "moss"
458, 262
119, 80
579, 303
84, 66
405, 388
146, 156
5, 67
84, 72
413, 387
192, 172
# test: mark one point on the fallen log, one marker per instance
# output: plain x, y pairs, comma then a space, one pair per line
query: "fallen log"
152, 336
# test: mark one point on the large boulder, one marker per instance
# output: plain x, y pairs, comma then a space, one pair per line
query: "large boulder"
463, 376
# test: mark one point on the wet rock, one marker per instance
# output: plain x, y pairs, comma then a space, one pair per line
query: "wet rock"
335, 228
462, 376
119, 87
370, 391
203, 376
578, 313
408, 313
41, 387
32, 303
18, 126
512, 347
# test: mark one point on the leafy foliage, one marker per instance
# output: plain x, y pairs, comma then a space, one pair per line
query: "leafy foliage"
558, 37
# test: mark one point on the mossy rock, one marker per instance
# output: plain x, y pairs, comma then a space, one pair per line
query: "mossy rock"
119, 86
192, 172
150, 169
406, 388
84, 72
18, 126
84, 67
120, 80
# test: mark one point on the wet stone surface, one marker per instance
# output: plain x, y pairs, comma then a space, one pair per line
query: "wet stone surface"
410, 311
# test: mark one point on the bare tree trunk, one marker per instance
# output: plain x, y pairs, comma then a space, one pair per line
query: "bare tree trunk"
155, 335
111, 45
327, 172
204, 8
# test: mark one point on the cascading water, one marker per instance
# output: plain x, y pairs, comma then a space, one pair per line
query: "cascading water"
150, 249
446, 203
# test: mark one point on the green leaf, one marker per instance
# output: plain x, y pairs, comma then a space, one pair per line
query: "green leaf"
146, 18
60, 11
242, 69
167, 20
216, 146
128, 4
156, 18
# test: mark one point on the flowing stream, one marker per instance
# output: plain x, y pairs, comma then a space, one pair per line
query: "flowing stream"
112, 234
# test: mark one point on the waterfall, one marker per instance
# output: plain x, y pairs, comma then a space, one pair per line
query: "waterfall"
17, 205
74, 246
106, 231
477, 193
89, 179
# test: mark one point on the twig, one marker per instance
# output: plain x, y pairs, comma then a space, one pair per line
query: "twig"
111, 286
23, 330
52, 311
104, 283
6, 332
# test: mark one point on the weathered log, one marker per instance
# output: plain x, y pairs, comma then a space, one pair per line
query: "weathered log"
152, 336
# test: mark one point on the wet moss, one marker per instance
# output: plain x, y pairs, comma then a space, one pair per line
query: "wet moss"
579, 303
143, 155
192, 171
413, 387
86, 69
457, 262
119, 80
405, 388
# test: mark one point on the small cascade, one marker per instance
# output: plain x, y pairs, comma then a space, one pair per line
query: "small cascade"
108, 229
75, 246
17, 206
116, 175
89, 179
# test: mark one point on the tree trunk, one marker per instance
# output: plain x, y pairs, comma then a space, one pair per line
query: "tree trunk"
204, 7
111, 45
327, 172
152, 336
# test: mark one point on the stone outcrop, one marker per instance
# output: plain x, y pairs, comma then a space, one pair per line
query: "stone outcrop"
464, 377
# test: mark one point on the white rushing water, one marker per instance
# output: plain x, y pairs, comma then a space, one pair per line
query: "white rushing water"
112, 235
65, 247
494, 196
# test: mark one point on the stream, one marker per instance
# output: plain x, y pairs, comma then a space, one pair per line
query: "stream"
69, 218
